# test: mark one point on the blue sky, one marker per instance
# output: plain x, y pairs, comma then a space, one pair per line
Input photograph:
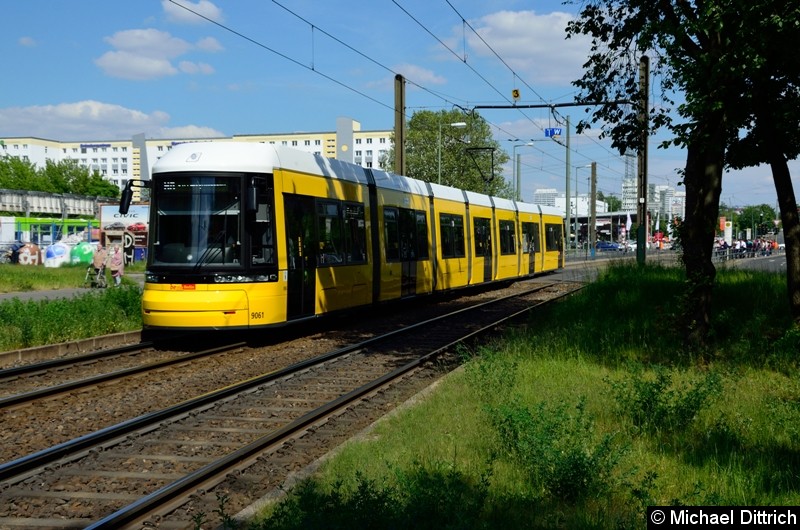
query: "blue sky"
99, 70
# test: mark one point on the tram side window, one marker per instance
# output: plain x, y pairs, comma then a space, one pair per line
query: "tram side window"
507, 238
262, 237
452, 230
391, 233
553, 237
331, 237
483, 237
530, 238
422, 234
355, 233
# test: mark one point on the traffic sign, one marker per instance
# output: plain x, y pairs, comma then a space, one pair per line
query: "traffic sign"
552, 131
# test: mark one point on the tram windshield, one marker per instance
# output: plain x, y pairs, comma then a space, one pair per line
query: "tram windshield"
198, 221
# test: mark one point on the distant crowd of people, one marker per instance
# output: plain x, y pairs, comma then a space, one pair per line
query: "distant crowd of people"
749, 248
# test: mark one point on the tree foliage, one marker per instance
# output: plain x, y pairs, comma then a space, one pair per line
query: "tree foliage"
713, 54
463, 157
66, 176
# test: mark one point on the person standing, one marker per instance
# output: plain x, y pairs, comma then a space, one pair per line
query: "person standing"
117, 265
99, 259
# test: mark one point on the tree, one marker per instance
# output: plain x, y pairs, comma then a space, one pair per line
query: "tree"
769, 111
698, 50
66, 176
614, 202
17, 174
463, 157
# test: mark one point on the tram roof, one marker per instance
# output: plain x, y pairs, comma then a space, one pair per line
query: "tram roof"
251, 157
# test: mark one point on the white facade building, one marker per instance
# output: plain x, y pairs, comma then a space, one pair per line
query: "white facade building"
122, 160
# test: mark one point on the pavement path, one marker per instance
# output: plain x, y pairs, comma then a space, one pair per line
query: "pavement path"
54, 294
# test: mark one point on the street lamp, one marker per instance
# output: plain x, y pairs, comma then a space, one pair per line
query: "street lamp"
458, 125
515, 169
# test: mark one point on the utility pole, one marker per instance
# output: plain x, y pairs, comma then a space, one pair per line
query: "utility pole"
399, 125
641, 211
593, 211
566, 197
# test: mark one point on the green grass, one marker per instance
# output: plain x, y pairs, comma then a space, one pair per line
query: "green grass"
21, 278
33, 323
582, 418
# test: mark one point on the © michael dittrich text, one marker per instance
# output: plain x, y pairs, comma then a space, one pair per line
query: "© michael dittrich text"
746, 516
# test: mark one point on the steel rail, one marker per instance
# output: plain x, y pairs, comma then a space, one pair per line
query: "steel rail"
17, 399
137, 511
16, 371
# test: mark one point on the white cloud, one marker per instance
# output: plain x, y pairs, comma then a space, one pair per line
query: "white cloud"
28, 42
126, 65
209, 44
188, 67
178, 14
92, 120
144, 54
535, 46
189, 131
419, 75
149, 43
413, 73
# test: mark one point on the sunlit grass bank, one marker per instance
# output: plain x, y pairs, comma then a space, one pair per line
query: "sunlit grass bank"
33, 323
584, 417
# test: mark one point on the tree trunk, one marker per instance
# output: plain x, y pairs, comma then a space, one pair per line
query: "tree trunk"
703, 181
791, 230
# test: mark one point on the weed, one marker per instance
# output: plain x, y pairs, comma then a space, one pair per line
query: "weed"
558, 450
656, 402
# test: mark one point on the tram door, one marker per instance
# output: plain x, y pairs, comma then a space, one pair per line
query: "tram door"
301, 253
408, 252
530, 243
483, 245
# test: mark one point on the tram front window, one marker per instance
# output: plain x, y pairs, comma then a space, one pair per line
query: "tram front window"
198, 221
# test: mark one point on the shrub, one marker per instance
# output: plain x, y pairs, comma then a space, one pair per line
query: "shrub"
656, 403
558, 450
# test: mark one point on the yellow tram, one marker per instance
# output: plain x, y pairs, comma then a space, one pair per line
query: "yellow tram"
250, 235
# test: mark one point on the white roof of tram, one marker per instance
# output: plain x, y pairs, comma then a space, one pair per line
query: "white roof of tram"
264, 158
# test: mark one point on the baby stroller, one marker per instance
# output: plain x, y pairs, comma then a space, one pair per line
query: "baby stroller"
95, 278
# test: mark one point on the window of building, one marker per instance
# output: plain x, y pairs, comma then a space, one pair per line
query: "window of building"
307, 142
294, 143
160, 148
358, 141
369, 140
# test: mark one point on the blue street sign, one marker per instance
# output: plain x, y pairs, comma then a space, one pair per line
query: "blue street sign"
552, 131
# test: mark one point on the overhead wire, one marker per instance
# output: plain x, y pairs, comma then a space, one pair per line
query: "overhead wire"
283, 55
450, 100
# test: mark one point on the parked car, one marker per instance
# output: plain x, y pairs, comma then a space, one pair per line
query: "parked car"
607, 246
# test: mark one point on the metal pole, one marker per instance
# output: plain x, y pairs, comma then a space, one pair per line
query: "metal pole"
439, 147
566, 193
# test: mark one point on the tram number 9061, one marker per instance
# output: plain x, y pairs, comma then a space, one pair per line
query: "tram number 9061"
256, 315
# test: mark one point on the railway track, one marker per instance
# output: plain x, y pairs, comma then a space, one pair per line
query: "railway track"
171, 466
